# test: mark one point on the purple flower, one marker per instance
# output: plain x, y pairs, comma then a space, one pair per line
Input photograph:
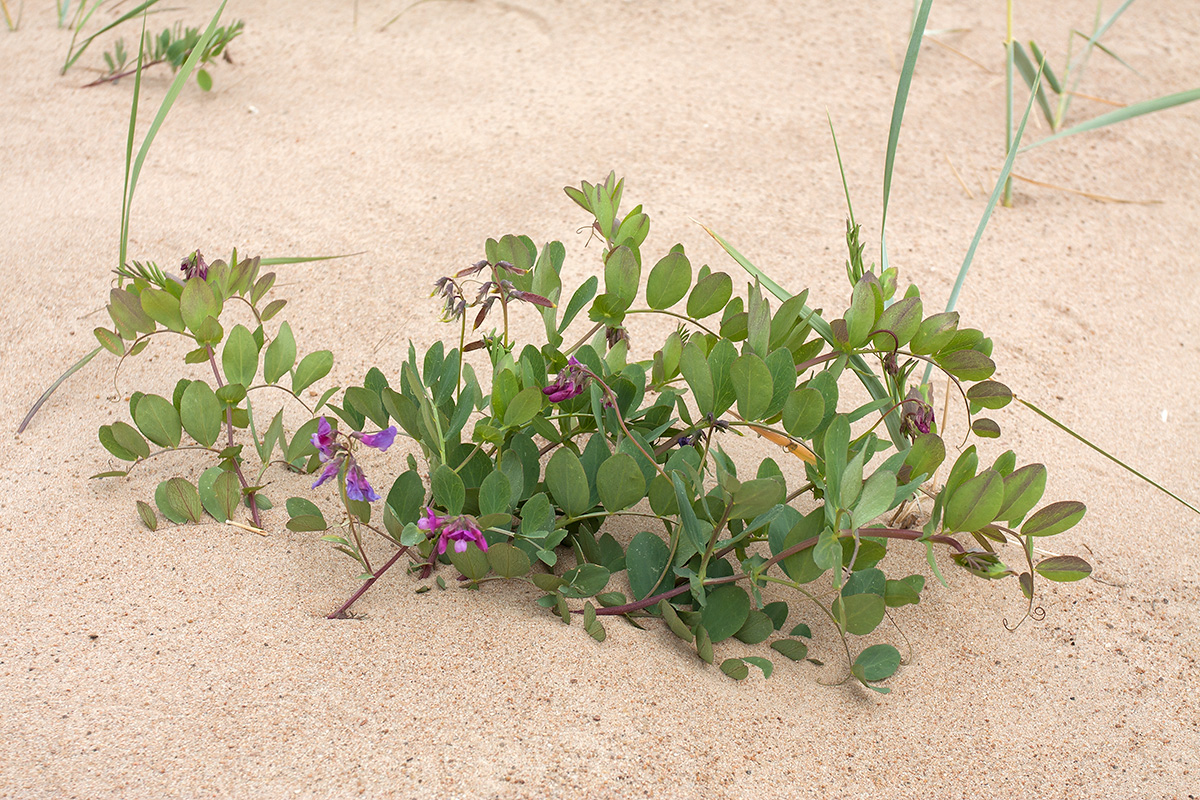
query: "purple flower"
571, 382
917, 414
357, 487
430, 522
194, 267
323, 439
330, 470
380, 441
461, 530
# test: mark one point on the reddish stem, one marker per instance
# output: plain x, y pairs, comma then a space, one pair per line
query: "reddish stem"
344, 607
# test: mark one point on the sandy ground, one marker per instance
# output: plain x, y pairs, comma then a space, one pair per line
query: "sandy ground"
196, 662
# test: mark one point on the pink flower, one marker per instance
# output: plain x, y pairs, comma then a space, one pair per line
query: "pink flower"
571, 382
380, 441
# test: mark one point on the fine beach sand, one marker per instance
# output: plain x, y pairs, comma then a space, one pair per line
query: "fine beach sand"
196, 661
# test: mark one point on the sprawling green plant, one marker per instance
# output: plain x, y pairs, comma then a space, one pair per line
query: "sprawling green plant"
173, 47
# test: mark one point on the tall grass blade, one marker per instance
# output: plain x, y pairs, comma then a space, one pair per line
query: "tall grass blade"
78, 365
1029, 72
177, 85
125, 189
864, 372
1005, 172
1098, 30
1105, 453
1120, 115
841, 169
906, 73
271, 262
73, 54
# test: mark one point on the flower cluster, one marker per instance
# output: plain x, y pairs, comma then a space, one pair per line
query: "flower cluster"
334, 453
571, 382
461, 530
917, 415
194, 267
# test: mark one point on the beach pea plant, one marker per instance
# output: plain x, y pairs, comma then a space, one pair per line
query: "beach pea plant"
521, 453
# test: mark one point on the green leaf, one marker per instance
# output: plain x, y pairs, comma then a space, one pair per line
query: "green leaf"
583, 295
790, 648
495, 494
208, 496
725, 612
281, 354
162, 500
1023, 488
203, 80
878, 662
311, 369
927, 453
735, 668
673, 621
523, 407
709, 295
110, 444
621, 277
902, 318
1054, 518
860, 317
568, 483
975, 502
149, 519
646, 559
878, 495
448, 490
471, 562
585, 580
762, 663
162, 307
757, 628
127, 437
669, 280
110, 341
273, 308
990, 394
1063, 568
863, 611
904, 592
508, 561
704, 647
755, 497
694, 366
934, 333
966, 365
184, 499
197, 303
753, 385
239, 358
158, 421
803, 412
201, 414
620, 482
985, 428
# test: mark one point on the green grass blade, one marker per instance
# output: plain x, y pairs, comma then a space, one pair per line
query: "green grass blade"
123, 247
1121, 114
987, 214
1104, 453
271, 262
78, 365
1099, 29
73, 54
1047, 73
177, 85
1112, 54
868, 378
906, 73
841, 169
1029, 73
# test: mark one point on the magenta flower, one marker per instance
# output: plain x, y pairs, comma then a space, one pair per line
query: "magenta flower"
917, 415
570, 383
430, 522
323, 439
357, 487
461, 530
380, 441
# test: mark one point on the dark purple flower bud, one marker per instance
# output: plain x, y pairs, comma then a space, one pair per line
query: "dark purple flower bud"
472, 270
380, 441
357, 487
461, 530
614, 335
331, 469
193, 266
685, 441
323, 439
917, 415
530, 297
